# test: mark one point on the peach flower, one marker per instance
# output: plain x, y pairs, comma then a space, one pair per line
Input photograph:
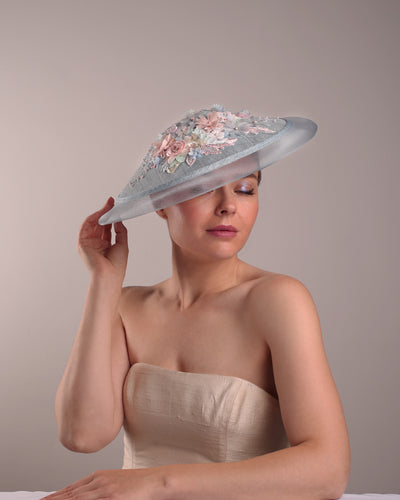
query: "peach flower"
213, 123
162, 145
175, 149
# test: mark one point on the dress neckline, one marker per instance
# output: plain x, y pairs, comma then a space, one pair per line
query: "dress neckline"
216, 375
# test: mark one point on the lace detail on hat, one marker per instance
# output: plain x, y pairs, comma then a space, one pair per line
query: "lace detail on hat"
206, 132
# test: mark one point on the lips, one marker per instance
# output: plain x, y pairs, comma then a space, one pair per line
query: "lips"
231, 229
223, 232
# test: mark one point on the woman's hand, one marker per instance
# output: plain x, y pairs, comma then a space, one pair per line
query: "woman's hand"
123, 484
95, 247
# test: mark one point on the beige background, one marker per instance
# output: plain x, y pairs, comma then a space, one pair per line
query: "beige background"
85, 87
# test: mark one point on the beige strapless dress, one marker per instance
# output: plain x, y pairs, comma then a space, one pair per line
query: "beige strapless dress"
176, 417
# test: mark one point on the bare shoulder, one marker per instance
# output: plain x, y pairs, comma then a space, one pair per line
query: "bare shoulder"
135, 296
269, 286
278, 303
136, 291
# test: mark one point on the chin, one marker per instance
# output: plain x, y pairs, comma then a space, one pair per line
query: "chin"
223, 253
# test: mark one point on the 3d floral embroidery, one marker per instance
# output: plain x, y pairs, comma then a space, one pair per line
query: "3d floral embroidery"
205, 133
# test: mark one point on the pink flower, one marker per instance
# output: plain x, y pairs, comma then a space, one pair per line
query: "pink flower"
175, 149
213, 123
162, 146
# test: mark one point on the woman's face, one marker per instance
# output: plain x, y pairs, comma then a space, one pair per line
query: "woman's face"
191, 222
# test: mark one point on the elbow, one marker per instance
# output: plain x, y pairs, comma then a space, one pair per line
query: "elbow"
329, 470
81, 442
337, 477
78, 443
82, 435
337, 486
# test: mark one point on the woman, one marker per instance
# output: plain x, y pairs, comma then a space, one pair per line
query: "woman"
211, 370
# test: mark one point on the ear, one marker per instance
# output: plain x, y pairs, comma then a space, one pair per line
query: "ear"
162, 214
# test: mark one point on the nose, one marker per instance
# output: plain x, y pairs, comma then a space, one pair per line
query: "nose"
226, 203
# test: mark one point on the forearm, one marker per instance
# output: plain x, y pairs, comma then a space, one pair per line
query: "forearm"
85, 398
301, 472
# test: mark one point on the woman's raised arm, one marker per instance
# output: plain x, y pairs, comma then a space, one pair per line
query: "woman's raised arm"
89, 407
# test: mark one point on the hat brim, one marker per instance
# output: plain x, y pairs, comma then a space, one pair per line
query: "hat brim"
295, 133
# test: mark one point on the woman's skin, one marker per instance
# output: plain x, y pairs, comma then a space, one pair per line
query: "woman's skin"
265, 325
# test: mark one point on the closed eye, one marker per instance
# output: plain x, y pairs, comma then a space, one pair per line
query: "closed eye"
251, 192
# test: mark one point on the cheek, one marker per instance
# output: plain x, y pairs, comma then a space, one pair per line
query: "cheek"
182, 219
252, 212
189, 212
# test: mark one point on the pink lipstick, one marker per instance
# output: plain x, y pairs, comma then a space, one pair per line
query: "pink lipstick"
223, 231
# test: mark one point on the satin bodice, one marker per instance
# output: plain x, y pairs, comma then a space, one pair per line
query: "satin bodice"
179, 417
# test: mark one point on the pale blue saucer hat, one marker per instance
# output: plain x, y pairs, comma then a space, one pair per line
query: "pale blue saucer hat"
204, 151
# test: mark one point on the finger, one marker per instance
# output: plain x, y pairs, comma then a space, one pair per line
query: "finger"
63, 493
69, 494
106, 233
121, 233
94, 217
91, 222
105, 208
75, 490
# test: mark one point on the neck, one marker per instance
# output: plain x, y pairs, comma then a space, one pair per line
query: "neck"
193, 279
